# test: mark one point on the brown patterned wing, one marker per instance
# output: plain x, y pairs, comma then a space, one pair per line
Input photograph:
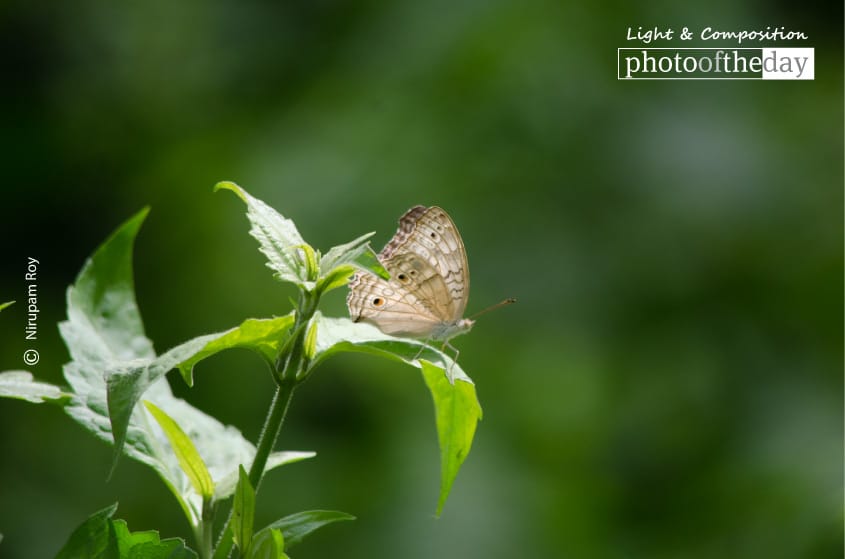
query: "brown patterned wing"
389, 306
436, 239
429, 281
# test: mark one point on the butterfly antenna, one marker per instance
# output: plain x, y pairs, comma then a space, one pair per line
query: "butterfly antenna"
506, 302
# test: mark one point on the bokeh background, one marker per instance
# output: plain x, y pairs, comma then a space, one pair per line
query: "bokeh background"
670, 382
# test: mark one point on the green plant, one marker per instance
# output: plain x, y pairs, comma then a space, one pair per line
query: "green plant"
204, 463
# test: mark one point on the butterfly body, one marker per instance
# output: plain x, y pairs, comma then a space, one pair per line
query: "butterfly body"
428, 288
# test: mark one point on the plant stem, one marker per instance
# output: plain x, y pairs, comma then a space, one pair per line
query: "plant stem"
205, 535
207, 540
270, 432
266, 442
287, 369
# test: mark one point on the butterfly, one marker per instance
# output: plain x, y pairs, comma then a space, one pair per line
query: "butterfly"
428, 288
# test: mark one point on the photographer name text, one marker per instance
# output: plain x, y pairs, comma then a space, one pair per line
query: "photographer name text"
31, 276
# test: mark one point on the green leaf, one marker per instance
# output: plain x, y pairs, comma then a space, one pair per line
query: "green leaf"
92, 539
243, 511
337, 335
357, 254
148, 545
99, 537
127, 540
268, 544
186, 453
6, 304
222, 447
101, 302
456, 404
113, 365
296, 527
293, 260
264, 336
311, 259
104, 328
127, 382
338, 277
341, 262
457, 413
310, 341
20, 384
345, 253
277, 237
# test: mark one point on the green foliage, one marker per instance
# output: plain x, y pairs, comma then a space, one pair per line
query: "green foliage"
295, 261
340, 262
277, 236
296, 527
186, 453
6, 304
21, 385
243, 513
670, 384
107, 379
100, 537
456, 405
457, 412
264, 336
113, 365
268, 544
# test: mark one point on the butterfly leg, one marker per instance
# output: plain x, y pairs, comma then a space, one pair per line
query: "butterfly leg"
454, 359
422, 347
426, 344
443, 347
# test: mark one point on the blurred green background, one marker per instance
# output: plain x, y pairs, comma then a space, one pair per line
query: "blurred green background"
670, 382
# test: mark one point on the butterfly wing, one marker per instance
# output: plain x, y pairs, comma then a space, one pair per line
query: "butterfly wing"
435, 238
429, 282
389, 305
